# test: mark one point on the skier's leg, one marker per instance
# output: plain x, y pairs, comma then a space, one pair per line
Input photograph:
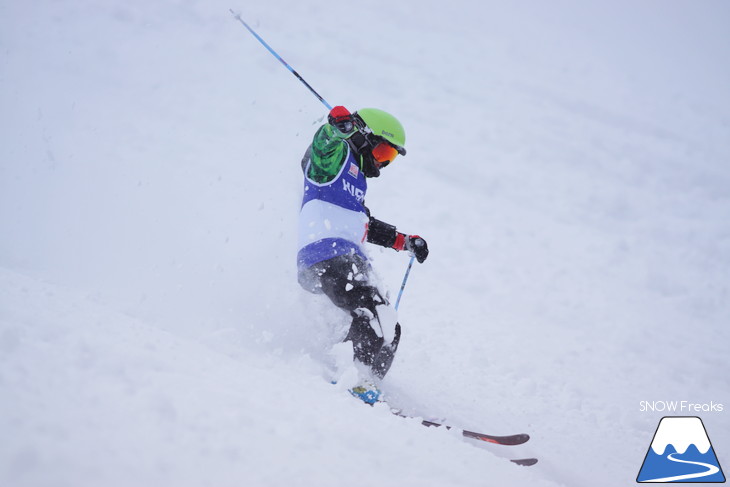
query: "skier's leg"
346, 281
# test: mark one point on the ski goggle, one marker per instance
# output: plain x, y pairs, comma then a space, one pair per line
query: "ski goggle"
384, 153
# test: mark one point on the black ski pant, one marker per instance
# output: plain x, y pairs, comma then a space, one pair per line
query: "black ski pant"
345, 279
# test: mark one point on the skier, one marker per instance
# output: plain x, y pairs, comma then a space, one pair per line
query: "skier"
334, 223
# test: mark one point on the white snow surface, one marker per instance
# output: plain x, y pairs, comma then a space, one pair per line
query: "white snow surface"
567, 164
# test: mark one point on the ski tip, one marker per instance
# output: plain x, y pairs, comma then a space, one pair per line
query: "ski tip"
525, 462
514, 439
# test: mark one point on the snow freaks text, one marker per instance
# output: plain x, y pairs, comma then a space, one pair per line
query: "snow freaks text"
680, 407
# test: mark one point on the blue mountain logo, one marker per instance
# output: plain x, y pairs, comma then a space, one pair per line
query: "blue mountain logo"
681, 452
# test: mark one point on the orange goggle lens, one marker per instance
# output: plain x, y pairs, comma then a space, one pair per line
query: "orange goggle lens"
384, 152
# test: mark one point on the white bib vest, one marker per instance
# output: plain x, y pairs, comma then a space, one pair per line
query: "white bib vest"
333, 220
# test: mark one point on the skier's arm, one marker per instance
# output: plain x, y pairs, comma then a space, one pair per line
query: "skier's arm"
385, 235
326, 155
328, 150
380, 233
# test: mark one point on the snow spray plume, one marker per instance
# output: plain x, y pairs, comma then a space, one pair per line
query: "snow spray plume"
405, 278
263, 42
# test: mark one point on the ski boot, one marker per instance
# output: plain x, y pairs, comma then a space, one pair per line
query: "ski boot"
367, 392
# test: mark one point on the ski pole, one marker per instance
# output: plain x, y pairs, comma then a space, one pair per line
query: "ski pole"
405, 278
238, 17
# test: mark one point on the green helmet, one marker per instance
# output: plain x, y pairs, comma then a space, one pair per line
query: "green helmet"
384, 125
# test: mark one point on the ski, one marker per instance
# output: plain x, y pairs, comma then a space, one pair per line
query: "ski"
507, 440
525, 462
517, 439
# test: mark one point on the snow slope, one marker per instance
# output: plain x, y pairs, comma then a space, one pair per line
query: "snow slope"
567, 164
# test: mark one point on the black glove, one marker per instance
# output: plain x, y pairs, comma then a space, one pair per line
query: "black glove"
341, 118
417, 246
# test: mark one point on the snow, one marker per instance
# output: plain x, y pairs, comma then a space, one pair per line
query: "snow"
567, 164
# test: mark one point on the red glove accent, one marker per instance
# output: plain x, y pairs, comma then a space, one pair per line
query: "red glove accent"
341, 118
400, 241
339, 113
